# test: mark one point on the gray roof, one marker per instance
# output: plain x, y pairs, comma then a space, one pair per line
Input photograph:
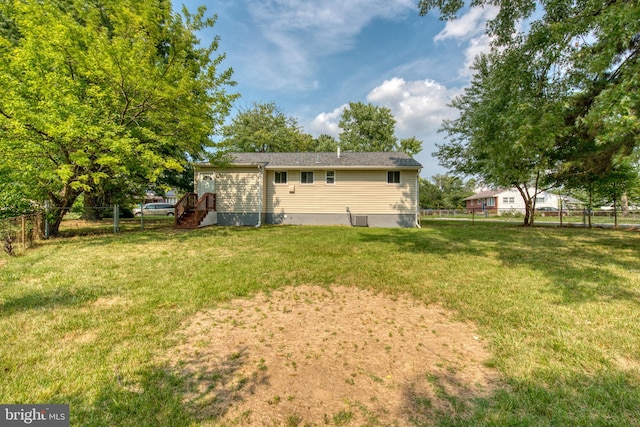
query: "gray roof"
484, 194
370, 160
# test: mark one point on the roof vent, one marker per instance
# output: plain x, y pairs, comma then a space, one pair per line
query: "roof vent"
338, 151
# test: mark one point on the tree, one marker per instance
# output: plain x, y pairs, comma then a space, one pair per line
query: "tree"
104, 95
611, 188
445, 191
573, 79
366, 127
264, 128
430, 195
507, 126
325, 143
411, 146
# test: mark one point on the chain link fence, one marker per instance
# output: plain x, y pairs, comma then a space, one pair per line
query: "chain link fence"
105, 220
569, 217
21, 232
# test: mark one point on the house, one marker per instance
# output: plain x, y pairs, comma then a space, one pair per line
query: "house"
376, 189
169, 197
501, 201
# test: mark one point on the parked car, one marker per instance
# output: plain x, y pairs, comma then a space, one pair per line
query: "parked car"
164, 209
550, 211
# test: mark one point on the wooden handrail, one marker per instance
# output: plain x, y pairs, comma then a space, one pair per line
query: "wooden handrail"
185, 205
205, 204
189, 203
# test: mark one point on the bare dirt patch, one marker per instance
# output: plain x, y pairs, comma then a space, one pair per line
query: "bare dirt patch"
313, 356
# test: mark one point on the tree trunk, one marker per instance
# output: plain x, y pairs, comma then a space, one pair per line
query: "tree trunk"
528, 206
59, 208
92, 204
55, 218
624, 204
590, 206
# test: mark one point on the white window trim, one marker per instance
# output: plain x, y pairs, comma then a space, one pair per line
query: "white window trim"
326, 177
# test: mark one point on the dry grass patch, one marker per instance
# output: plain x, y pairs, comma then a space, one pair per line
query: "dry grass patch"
313, 356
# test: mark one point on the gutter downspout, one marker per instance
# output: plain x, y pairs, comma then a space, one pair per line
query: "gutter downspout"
261, 181
418, 199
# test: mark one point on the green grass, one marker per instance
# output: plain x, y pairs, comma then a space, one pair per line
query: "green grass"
84, 320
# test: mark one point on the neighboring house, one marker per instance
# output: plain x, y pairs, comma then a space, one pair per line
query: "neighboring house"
169, 197
501, 201
367, 189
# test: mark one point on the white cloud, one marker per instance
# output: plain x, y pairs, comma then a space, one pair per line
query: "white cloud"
469, 25
327, 122
470, 28
294, 34
476, 46
418, 106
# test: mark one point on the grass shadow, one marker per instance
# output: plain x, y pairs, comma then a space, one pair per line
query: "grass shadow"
51, 299
610, 398
155, 399
581, 265
191, 392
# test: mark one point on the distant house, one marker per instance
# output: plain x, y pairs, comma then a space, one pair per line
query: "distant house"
366, 189
501, 201
169, 197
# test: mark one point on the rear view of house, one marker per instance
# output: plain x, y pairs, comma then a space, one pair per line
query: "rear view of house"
361, 189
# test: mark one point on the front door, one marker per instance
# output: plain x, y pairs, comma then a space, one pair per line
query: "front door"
206, 184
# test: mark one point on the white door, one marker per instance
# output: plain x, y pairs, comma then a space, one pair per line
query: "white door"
206, 184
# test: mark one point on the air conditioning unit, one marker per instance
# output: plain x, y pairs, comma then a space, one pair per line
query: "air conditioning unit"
360, 221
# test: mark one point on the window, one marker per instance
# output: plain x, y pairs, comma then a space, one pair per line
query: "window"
539, 199
505, 200
281, 177
306, 177
491, 201
331, 177
512, 200
393, 177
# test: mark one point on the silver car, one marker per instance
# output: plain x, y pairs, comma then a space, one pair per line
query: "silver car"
164, 209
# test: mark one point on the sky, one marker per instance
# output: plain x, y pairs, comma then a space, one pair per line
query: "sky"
311, 58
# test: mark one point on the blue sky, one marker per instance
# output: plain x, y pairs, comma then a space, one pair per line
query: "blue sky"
312, 58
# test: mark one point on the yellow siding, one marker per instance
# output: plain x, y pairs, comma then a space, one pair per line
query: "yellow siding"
237, 190
364, 191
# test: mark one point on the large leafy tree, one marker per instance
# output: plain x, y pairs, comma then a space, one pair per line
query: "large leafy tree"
557, 101
265, 128
99, 96
507, 126
366, 127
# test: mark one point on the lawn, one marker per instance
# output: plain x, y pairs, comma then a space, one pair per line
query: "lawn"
88, 321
